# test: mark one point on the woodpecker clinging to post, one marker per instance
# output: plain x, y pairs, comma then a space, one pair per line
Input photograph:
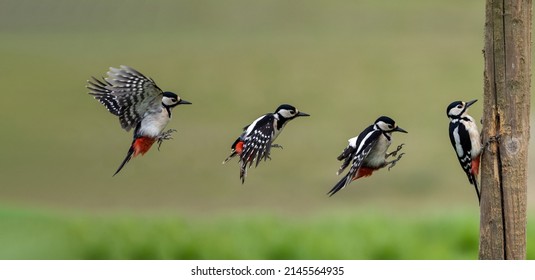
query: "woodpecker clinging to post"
368, 152
256, 141
139, 103
465, 139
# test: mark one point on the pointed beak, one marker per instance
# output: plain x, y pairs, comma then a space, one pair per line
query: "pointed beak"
301, 114
182, 101
469, 103
399, 129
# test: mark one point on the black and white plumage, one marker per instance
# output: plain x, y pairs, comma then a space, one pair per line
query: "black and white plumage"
367, 152
256, 141
465, 139
139, 103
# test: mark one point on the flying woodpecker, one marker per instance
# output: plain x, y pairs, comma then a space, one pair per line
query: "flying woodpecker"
256, 141
139, 103
368, 152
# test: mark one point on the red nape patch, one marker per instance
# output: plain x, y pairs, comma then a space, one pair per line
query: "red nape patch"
475, 166
363, 172
239, 147
142, 145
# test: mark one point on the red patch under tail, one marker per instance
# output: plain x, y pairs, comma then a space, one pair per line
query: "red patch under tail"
142, 145
239, 147
475, 166
363, 172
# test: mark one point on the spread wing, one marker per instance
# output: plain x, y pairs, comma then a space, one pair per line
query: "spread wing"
257, 140
127, 94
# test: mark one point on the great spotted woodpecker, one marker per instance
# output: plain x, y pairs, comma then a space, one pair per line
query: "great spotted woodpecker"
256, 141
139, 103
368, 152
465, 139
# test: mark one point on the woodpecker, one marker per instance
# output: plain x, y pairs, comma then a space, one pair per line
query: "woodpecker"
256, 141
139, 103
465, 139
368, 152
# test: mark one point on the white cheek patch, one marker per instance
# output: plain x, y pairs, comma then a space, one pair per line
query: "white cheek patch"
456, 111
383, 126
287, 114
167, 101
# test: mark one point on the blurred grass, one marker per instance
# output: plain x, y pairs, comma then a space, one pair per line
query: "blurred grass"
29, 235
344, 62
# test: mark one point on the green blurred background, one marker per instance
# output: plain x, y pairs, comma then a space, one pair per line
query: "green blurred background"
343, 62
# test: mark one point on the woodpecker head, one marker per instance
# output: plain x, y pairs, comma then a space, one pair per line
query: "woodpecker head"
170, 100
386, 124
289, 112
458, 108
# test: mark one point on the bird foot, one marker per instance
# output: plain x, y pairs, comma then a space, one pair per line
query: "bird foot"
394, 153
393, 162
276, 146
166, 135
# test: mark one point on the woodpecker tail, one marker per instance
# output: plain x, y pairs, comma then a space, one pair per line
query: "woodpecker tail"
230, 157
473, 176
243, 171
477, 191
128, 157
140, 145
237, 148
340, 185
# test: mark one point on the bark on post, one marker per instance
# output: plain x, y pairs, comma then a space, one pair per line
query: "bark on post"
507, 85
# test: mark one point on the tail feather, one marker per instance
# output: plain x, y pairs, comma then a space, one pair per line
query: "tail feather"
243, 171
237, 148
127, 158
477, 190
230, 157
140, 145
472, 177
340, 185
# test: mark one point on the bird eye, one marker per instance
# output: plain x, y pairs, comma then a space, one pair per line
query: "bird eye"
460, 106
292, 112
173, 99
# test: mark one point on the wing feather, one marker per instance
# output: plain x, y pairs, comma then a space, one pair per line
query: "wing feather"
127, 94
257, 142
357, 151
460, 140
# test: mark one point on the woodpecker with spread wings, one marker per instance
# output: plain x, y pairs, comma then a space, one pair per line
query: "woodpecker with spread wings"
368, 152
139, 103
256, 141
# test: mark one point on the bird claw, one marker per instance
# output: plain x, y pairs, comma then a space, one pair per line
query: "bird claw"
393, 162
394, 153
276, 146
166, 135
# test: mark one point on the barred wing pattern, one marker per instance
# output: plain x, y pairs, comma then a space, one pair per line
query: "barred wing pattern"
127, 94
257, 143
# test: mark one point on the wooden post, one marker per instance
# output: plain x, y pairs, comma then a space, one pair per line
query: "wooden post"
507, 85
